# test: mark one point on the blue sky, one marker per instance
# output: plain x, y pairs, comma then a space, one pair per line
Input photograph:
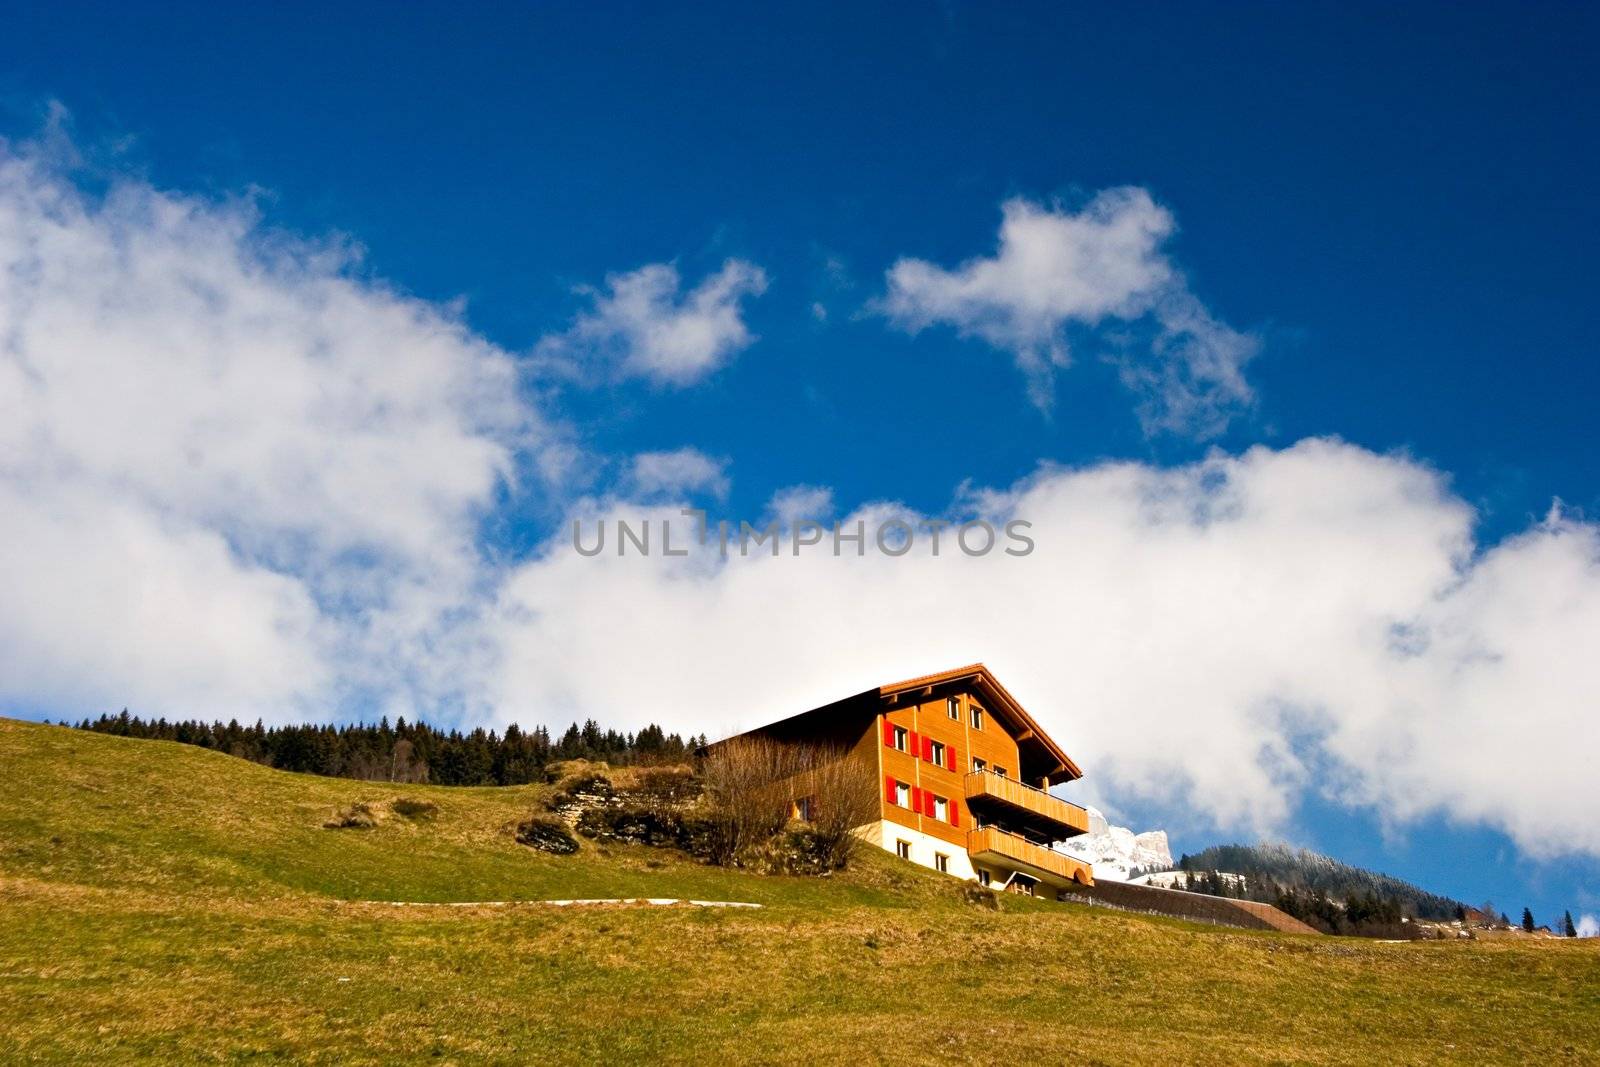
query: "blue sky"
1393, 207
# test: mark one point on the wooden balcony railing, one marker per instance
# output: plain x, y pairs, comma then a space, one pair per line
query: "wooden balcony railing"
988, 786
995, 845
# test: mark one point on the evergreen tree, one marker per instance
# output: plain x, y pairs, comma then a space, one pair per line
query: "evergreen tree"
1567, 929
1527, 920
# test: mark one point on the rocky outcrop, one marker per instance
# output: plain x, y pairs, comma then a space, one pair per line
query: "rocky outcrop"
547, 834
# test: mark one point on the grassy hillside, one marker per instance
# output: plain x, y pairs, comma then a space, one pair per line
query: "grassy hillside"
162, 903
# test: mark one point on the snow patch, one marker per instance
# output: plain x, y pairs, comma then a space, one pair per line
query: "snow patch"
1116, 853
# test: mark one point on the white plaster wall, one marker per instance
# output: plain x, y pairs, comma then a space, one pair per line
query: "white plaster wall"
884, 834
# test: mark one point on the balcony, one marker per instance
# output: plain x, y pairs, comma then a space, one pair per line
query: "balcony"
993, 845
1008, 800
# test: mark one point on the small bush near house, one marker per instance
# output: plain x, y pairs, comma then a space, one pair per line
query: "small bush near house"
744, 789
752, 782
799, 850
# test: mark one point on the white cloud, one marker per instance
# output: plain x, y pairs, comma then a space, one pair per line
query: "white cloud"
641, 326
1588, 926
686, 470
1220, 638
1055, 269
235, 477
794, 503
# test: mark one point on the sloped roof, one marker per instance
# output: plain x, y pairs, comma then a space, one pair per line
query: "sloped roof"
999, 702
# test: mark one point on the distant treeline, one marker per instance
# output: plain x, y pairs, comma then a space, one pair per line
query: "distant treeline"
1332, 896
409, 752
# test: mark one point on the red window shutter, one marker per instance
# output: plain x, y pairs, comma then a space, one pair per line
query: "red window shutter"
912, 743
889, 792
950, 755
888, 732
955, 814
932, 808
916, 799
927, 748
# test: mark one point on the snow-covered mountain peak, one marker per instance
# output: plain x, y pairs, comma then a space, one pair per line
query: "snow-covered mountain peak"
1116, 852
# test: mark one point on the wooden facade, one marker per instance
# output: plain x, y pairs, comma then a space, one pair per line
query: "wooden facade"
962, 773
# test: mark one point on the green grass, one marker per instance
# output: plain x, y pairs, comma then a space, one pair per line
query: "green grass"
161, 903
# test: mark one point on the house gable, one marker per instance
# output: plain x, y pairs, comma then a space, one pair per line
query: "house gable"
1039, 761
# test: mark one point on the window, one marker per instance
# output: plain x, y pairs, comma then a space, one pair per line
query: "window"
984, 877
941, 809
903, 849
936, 752
941, 863
978, 764
977, 717
902, 794
953, 706
1001, 771
901, 738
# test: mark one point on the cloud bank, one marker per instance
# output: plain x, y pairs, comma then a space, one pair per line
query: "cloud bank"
1054, 270
235, 477
1220, 638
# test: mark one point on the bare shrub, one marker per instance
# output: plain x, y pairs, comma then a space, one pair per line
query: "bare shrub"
844, 797
747, 806
753, 782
